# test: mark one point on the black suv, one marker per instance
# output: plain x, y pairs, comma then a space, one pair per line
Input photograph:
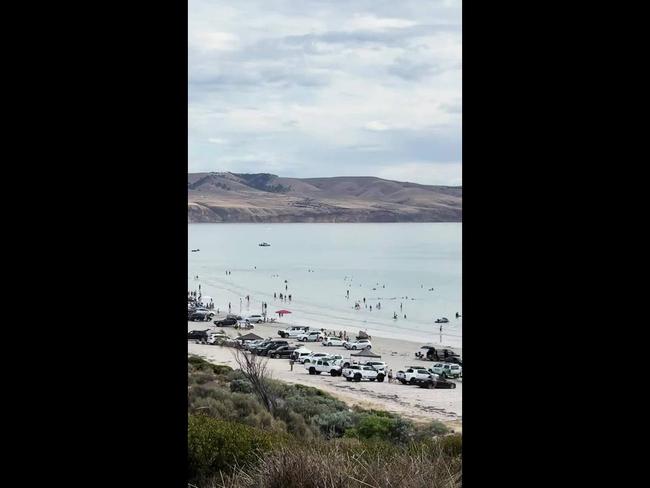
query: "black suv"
265, 349
282, 352
200, 316
199, 335
225, 322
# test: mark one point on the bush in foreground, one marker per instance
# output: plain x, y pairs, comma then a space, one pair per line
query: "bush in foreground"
347, 463
215, 445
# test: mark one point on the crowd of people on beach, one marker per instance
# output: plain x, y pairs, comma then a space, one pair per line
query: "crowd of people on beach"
194, 296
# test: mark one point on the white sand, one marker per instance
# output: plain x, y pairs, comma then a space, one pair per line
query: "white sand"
410, 401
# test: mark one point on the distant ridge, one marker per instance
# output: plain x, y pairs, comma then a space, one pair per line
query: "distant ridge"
264, 197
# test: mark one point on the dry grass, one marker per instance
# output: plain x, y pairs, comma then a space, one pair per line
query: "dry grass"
342, 464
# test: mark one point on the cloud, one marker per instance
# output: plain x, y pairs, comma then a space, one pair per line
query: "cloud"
427, 173
376, 126
323, 88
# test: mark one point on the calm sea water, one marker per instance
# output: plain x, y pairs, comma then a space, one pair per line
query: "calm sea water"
388, 263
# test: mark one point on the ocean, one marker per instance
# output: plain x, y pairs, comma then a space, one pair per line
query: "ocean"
411, 269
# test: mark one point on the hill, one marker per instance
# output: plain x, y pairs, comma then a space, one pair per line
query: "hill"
263, 197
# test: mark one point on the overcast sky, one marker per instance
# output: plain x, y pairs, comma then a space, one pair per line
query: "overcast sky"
307, 88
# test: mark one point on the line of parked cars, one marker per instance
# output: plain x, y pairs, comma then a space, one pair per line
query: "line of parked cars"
305, 334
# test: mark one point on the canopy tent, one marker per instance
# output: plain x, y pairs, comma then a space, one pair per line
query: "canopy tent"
249, 337
366, 353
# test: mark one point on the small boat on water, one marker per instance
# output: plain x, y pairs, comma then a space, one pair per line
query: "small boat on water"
195, 250
443, 320
264, 244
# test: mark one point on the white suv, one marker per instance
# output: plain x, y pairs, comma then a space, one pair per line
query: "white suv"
310, 336
326, 365
333, 341
293, 331
313, 357
412, 374
255, 319
360, 344
359, 372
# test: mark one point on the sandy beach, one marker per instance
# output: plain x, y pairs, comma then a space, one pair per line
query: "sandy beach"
419, 404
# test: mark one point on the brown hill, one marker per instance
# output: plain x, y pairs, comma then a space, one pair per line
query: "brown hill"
262, 197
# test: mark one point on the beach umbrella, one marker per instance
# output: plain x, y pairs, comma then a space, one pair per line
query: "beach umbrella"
282, 311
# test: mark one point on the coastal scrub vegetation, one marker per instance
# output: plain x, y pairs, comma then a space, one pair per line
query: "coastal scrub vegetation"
307, 439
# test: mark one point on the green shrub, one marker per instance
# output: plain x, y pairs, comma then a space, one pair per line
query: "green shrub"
215, 445
382, 426
334, 424
241, 386
222, 369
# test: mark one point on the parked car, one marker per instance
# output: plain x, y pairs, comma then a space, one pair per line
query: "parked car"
454, 360
359, 372
326, 365
199, 335
313, 357
447, 370
411, 375
300, 354
435, 381
378, 365
255, 319
282, 352
234, 316
311, 336
265, 349
360, 344
248, 345
332, 341
215, 337
293, 331
200, 316
227, 322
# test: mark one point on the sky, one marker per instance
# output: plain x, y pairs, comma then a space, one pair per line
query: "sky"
307, 88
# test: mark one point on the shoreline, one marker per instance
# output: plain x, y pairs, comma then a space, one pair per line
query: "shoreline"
316, 317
